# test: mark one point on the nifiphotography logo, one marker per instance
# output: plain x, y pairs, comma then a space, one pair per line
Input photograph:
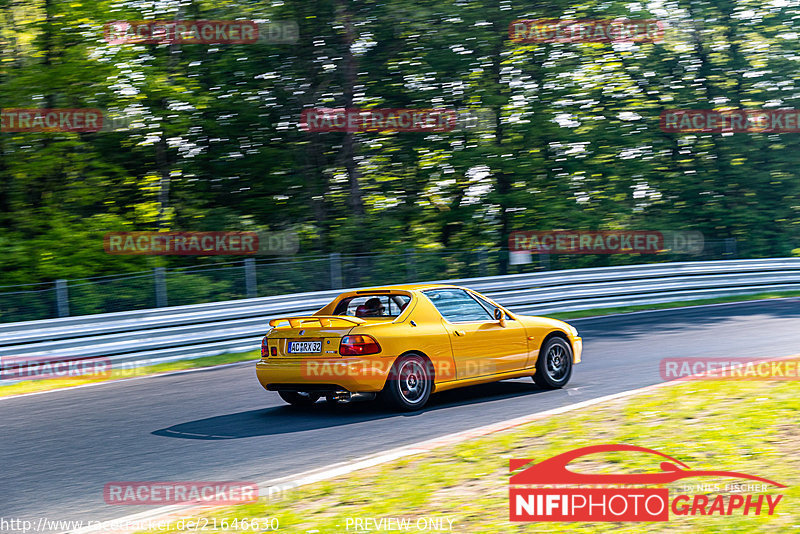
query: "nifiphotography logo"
548, 491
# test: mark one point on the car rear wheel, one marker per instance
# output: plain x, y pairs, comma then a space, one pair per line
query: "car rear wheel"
554, 364
299, 398
409, 384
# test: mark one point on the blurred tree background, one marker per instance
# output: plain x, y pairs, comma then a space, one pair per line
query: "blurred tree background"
575, 142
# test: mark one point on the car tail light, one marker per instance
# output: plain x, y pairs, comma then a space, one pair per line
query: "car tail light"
264, 346
358, 346
273, 351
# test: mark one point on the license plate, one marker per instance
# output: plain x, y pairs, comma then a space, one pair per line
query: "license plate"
304, 347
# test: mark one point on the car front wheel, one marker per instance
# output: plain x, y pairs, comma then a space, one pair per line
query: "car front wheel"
554, 364
409, 384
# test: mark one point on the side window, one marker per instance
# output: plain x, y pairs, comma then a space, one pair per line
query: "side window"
489, 306
457, 306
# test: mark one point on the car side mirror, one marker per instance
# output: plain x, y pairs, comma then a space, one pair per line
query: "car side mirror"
499, 316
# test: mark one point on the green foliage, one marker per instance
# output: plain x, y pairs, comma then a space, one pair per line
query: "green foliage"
216, 145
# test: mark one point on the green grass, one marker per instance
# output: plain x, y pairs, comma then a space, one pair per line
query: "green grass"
744, 426
32, 386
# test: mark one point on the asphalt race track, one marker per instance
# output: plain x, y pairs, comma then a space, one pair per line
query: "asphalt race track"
60, 448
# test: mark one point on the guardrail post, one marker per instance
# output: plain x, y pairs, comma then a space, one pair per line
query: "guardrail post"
483, 262
730, 246
251, 289
159, 273
411, 266
62, 298
336, 270
544, 261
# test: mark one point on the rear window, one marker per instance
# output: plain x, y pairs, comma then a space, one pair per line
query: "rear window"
373, 305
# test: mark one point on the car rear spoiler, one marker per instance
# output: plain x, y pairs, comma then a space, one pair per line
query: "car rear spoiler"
325, 321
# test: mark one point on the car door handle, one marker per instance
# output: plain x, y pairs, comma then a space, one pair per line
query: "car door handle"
459, 332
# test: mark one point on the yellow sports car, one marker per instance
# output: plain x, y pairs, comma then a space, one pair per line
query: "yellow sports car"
405, 342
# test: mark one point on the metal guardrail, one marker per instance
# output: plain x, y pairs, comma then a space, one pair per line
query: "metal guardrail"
264, 277
145, 337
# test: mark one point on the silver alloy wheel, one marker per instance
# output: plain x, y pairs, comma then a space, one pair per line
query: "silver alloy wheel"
556, 362
413, 381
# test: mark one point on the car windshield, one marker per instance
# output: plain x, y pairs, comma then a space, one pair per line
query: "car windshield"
378, 305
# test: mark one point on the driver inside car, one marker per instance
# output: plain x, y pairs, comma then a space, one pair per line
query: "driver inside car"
371, 308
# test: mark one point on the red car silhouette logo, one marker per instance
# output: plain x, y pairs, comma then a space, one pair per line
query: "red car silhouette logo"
554, 470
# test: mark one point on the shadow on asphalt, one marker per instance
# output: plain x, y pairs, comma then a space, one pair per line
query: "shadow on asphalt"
289, 419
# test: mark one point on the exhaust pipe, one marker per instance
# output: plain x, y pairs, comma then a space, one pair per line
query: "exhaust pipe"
346, 397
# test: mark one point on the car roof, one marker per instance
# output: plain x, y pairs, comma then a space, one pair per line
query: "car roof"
404, 287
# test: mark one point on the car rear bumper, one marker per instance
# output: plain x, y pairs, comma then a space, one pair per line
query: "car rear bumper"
353, 374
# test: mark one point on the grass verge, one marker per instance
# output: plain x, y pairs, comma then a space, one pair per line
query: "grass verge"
745, 426
32, 386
